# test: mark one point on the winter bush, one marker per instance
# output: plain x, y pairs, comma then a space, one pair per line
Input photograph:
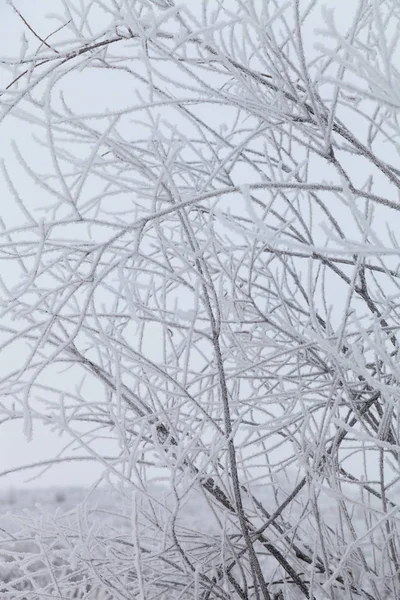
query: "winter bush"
203, 294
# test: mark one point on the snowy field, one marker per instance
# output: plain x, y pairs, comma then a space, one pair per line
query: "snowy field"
24, 517
30, 518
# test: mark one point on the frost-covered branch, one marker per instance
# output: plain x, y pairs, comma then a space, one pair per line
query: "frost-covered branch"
202, 271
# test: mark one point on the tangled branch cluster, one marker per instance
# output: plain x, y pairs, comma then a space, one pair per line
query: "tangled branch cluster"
208, 272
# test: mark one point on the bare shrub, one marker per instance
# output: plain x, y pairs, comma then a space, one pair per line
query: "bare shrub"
206, 281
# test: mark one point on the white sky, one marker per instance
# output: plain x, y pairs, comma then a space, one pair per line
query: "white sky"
14, 449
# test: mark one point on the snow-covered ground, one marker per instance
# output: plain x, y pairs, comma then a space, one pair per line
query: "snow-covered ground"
25, 517
30, 518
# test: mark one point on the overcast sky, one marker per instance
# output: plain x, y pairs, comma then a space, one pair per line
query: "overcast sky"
14, 449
